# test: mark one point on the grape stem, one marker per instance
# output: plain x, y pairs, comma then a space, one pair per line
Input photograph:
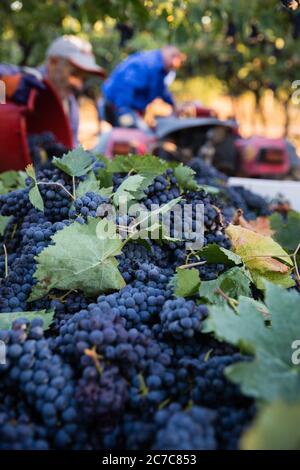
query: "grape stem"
192, 265
294, 258
96, 358
6, 259
265, 312
143, 387
63, 297
51, 183
192, 253
74, 187
14, 231
232, 302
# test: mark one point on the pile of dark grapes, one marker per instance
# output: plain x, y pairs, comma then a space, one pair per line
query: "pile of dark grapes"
43, 147
182, 319
230, 198
163, 189
87, 206
131, 369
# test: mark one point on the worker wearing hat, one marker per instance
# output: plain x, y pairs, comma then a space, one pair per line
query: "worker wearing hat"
69, 62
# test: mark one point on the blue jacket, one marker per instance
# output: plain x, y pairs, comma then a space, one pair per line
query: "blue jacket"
136, 82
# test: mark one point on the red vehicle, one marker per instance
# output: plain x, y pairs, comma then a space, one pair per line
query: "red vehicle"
216, 141
263, 157
43, 113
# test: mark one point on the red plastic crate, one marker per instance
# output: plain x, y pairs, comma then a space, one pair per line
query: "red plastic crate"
43, 113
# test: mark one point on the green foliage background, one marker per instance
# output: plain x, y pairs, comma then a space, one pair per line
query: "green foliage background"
246, 45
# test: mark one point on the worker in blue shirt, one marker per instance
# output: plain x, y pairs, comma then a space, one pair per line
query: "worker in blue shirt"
135, 83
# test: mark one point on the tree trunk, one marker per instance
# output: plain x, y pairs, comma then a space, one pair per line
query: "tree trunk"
287, 118
26, 51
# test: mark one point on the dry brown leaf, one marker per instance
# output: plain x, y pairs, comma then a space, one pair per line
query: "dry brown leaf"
260, 225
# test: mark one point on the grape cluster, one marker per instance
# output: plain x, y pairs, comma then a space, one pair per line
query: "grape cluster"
35, 234
163, 189
181, 318
87, 206
64, 305
139, 262
43, 378
15, 202
213, 224
185, 430
231, 422
102, 330
205, 225
17, 430
16, 286
56, 189
102, 396
43, 147
137, 305
207, 174
254, 202
211, 386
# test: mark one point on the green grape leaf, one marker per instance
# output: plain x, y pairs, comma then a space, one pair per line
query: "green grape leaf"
131, 189
91, 184
106, 192
281, 279
4, 220
186, 178
34, 192
287, 231
3, 189
79, 260
186, 282
215, 254
7, 319
209, 189
21, 182
145, 165
11, 180
106, 229
36, 198
233, 283
241, 329
77, 162
275, 428
105, 178
271, 375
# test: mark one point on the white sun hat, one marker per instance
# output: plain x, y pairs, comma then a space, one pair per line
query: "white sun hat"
78, 51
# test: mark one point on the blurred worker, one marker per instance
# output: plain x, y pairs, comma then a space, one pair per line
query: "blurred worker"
69, 62
291, 4
135, 83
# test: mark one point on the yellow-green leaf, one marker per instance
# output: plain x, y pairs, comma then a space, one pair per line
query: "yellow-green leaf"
261, 254
275, 428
